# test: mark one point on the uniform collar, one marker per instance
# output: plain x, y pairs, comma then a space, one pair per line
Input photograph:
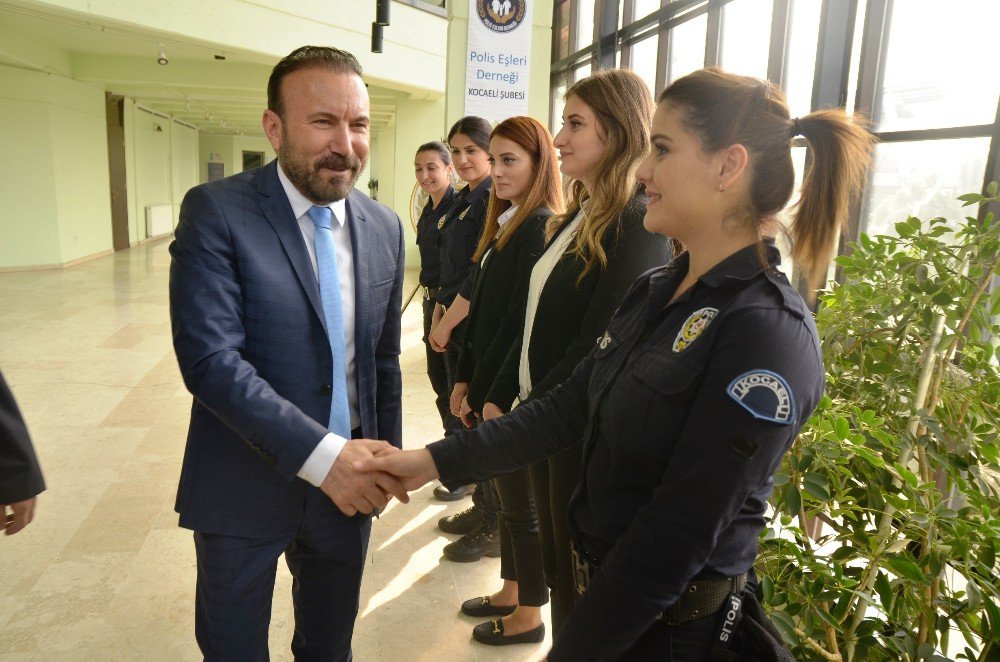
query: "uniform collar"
474, 194
744, 264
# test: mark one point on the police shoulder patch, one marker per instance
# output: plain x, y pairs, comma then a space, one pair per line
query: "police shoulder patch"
696, 322
765, 394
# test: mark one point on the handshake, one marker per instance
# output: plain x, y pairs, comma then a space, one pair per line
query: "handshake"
368, 473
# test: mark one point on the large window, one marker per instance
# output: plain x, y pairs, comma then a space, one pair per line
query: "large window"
922, 71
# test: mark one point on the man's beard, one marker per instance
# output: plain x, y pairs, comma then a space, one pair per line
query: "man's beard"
311, 182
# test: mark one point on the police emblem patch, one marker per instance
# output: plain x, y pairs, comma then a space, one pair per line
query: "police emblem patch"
764, 394
693, 326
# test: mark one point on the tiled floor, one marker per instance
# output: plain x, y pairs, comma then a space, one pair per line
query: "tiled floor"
104, 573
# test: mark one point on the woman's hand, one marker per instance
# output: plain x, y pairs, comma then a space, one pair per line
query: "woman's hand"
436, 316
439, 337
490, 410
466, 414
412, 469
457, 396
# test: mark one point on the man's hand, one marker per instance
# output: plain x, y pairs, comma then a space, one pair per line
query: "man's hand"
490, 410
19, 516
412, 469
353, 491
458, 393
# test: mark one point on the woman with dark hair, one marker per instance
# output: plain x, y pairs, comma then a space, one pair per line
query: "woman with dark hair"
526, 192
433, 170
593, 253
703, 379
460, 230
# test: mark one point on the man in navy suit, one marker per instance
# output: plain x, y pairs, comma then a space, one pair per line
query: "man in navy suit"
265, 471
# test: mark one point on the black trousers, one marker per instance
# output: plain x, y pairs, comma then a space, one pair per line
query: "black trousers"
689, 642
437, 373
485, 497
553, 482
520, 555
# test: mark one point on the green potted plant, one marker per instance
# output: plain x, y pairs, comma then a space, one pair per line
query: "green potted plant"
886, 525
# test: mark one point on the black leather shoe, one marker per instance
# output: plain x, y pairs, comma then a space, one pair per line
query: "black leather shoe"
461, 523
484, 541
480, 607
442, 493
492, 634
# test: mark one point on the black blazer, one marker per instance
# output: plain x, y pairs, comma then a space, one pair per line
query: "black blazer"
20, 475
496, 313
569, 318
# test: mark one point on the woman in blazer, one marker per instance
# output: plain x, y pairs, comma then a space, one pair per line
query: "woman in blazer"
594, 252
526, 192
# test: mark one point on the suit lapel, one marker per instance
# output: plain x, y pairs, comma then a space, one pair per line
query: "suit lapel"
276, 208
360, 247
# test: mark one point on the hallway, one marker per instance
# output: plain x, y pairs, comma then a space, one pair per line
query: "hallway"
104, 573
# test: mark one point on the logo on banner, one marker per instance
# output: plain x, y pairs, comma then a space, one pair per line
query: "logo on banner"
501, 15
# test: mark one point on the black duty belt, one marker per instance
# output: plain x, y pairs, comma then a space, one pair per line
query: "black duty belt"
700, 598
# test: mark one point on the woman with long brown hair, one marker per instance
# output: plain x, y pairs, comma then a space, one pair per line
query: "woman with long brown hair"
692, 396
526, 192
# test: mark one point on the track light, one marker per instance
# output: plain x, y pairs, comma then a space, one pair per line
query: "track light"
382, 12
376, 38
161, 59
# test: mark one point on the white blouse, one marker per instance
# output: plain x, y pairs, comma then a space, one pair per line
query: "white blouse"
539, 275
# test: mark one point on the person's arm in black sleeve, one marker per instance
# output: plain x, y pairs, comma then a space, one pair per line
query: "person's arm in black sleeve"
528, 242
636, 252
525, 435
723, 455
507, 384
20, 475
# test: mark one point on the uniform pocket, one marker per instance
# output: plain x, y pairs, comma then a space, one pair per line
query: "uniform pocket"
665, 373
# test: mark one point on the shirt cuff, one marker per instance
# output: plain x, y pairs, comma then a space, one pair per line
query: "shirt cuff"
320, 461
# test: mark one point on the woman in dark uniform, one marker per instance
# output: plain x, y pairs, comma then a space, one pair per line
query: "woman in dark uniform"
460, 230
704, 377
526, 192
593, 253
433, 170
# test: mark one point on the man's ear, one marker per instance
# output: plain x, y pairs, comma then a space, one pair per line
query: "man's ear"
732, 164
271, 122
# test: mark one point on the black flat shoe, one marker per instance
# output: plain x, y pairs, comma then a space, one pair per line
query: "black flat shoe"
480, 607
442, 493
491, 633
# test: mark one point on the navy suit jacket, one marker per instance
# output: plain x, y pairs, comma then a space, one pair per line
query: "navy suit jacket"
252, 346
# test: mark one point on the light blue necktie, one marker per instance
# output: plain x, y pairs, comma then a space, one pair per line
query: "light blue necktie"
329, 291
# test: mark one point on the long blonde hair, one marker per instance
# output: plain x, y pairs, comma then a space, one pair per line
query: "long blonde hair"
546, 185
623, 105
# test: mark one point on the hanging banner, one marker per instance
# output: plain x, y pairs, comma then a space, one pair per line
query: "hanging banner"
496, 72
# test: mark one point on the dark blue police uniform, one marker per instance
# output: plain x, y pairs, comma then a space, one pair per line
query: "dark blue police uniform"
428, 235
686, 409
460, 230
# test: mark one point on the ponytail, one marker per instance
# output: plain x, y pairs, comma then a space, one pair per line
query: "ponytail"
840, 150
723, 109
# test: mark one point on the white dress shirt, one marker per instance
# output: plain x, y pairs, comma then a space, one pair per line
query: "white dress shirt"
539, 274
318, 464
